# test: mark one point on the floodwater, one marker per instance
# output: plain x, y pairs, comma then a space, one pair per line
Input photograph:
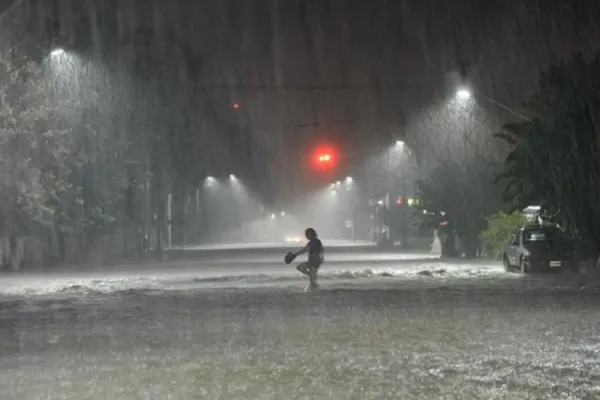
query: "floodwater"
380, 328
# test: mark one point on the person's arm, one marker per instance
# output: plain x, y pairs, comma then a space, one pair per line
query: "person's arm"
302, 250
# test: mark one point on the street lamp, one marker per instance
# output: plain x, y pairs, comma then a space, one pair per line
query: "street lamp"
210, 181
399, 143
57, 52
463, 94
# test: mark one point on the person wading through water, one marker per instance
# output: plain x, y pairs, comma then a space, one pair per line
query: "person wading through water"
315, 251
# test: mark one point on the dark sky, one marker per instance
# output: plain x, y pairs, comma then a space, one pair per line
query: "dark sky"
4, 4
402, 53
408, 48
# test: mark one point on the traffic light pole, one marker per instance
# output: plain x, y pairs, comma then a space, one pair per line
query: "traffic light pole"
353, 216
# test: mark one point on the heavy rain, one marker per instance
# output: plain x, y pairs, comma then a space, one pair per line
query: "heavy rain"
162, 161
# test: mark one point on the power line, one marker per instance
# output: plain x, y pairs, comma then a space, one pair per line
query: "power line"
311, 88
316, 124
348, 121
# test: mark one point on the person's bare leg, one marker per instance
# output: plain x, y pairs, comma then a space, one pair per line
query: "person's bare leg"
303, 268
313, 277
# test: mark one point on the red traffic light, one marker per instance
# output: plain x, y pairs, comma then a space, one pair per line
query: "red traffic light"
324, 158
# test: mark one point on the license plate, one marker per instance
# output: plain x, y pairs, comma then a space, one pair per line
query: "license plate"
555, 263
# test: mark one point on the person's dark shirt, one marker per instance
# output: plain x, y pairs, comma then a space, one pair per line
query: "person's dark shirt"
315, 248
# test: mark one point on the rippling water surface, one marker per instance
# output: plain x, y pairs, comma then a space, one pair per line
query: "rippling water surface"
409, 330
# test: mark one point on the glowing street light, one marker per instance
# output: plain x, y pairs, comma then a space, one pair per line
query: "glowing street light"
349, 179
283, 213
399, 143
463, 94
210, 181
232, 177
57, 52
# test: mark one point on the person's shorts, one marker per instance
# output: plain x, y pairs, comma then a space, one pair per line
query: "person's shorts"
314, 262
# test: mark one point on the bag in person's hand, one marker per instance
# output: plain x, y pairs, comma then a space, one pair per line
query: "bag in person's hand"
289, 257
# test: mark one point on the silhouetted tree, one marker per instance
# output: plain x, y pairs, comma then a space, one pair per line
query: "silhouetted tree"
32, 150
555, 160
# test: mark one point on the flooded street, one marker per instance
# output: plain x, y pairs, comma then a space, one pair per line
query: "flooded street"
159, 160
421, 330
